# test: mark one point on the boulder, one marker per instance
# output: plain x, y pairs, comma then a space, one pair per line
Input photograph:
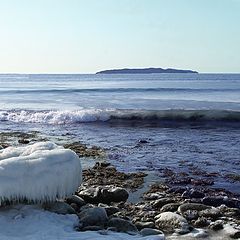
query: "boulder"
170, 222
93, 217
76, 199
59, 208
106, 194
122, 225
114, 194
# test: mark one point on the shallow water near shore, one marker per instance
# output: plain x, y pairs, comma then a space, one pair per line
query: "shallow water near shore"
189, 123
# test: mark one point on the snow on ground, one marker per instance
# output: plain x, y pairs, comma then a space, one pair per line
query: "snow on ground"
42, 171
25, 222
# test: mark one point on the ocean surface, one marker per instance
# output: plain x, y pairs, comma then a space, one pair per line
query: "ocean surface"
186, 122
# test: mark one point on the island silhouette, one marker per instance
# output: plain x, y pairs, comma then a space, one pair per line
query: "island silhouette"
144, 71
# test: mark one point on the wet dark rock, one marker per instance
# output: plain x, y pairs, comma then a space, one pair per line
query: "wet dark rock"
213, 201
143, 141
150, 231
176, 190
163, 201
141, 225
122, 225
170, 207
104, 164
76, 199
192, 193
110, 210
232, 203
201, 222
93, 217
114, 194
106, 194
74, 206
23, 141
59, 208
88, 194
87, 206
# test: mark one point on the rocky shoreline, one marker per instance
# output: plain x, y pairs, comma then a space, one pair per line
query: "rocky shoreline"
169, 212
181, 207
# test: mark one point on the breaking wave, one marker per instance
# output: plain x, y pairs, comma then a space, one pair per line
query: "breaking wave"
104, 115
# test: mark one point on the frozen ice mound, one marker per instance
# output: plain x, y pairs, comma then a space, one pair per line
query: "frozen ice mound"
39, 172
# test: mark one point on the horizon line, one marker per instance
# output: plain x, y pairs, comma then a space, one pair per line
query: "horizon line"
94, 73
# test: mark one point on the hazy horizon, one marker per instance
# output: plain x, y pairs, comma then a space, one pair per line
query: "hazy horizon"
86, 37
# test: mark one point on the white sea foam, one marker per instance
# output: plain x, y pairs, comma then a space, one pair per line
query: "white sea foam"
38, 172
55, 117
102, 115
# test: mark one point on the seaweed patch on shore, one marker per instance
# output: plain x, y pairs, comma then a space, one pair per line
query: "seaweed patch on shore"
15, 138
105, 174
82, 150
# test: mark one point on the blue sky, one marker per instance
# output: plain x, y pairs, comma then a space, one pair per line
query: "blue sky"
76, 36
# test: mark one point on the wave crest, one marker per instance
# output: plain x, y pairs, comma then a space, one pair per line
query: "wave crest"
102, 115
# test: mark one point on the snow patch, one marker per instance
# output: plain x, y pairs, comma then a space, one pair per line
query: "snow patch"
39, 172
33, 223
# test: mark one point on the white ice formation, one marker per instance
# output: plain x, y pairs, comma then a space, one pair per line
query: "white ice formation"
39, 172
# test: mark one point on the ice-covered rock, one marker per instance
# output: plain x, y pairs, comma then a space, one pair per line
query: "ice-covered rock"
38, 172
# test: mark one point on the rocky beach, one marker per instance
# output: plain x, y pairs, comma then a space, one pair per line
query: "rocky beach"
174, 207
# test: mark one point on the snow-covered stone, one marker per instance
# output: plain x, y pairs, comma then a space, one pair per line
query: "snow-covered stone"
39, 172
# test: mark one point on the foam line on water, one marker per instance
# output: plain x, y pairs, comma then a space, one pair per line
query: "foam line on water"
103, 115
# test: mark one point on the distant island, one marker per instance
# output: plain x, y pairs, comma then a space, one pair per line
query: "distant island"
144, 71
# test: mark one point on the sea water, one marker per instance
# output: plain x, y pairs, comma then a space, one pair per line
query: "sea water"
146, 122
